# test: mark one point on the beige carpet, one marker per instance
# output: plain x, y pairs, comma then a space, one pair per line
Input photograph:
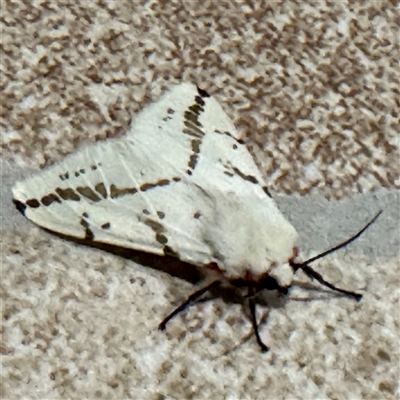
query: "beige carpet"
314, 89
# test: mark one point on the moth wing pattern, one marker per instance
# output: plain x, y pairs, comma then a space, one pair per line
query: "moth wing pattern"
179, 182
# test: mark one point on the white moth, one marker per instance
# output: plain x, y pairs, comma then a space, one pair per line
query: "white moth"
182, 183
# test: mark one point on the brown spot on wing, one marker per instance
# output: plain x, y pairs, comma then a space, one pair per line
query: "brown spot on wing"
65, 176
67, 194
160, 214
49, 199
192, 130
154, 225
118, 192
148, 186
191, 118
101, 189
199, 101
195, 153
161, 238
33, 203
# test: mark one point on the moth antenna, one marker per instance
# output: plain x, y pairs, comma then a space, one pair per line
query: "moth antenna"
315, 275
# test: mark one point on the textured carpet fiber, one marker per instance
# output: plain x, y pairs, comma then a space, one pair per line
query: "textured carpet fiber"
314, 90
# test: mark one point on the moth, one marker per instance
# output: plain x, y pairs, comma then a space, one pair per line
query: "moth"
181, 182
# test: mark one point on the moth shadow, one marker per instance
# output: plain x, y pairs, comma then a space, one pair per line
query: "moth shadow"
316, 293
168, 264
174, 267
268, 300
272, 298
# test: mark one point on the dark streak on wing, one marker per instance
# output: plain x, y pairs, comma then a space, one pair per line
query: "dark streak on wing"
249, 178
87, 192
240, 141
154, 225
148, 186
193, 112
199, 101
194, 128
101, 189
118, 192
106, 225
191, 119
195, 154
88, 233
160, 214
67, 194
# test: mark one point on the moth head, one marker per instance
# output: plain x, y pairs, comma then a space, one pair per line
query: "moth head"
268, 282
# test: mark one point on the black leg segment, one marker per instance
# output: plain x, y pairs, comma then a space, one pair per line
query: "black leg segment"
252, 307
187, 303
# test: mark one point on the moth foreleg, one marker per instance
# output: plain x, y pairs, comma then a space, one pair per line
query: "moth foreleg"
194, 296
252, 307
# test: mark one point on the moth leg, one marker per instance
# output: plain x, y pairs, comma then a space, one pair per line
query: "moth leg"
252, 307
194, 296
314, 274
